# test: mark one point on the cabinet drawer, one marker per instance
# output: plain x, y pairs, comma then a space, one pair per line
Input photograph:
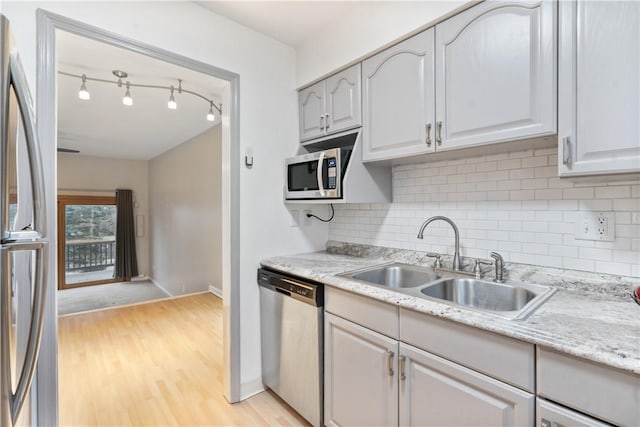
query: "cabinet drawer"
373, 314
506, 359
607, 393
552, 415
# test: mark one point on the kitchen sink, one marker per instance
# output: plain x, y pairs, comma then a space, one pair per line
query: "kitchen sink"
395, 275
511, 300
515, 301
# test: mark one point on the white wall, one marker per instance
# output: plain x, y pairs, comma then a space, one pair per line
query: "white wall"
511, 203
357, 34
185, 222
268, 122
86, 175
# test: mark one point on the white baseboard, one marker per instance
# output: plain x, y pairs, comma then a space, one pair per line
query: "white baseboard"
251, 388
161, 287
141, 278
217, 292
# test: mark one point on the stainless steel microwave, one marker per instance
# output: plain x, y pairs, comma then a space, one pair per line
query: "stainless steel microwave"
316, 175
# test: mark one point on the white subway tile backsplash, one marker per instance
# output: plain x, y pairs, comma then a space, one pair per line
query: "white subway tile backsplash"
611, 192
511, 202
578, 193
532, 162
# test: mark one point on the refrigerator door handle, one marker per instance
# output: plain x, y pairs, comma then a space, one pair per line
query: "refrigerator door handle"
19, 81
16, 400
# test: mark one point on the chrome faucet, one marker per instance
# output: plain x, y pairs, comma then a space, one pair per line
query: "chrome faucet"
499, 266
456, 255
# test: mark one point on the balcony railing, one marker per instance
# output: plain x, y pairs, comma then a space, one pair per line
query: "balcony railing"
90, 255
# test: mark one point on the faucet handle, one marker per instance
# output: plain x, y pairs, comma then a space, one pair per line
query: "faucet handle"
499, 265
477, 270
438, 263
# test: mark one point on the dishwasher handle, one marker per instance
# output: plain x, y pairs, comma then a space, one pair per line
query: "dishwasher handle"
282, 291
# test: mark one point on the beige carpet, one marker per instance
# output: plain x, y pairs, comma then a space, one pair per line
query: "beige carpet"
110, 295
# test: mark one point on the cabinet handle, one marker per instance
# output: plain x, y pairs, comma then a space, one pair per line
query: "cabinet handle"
321, 122
566, 150
402, 361
439, 133
390, 355
326, 121
547, 423
428, 129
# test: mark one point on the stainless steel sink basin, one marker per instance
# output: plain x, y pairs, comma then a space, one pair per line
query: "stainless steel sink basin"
508, 300
395, 275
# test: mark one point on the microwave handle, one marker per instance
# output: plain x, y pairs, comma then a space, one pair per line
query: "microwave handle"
319, 173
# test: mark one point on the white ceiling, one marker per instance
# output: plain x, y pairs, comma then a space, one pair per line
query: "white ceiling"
291, 22
106, 128
103, 126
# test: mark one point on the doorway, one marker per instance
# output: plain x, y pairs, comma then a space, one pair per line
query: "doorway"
86, 241
48, 23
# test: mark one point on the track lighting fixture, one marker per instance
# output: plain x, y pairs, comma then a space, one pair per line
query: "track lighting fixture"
84, 93
128, 100
172, 104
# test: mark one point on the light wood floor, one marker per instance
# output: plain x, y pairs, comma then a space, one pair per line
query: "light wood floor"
155, 364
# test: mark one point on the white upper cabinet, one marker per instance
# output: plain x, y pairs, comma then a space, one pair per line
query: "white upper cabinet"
398, 100
331, 105
343, 100
599, 87
496, 74
311, 111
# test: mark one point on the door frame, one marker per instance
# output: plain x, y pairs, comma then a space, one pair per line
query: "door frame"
64, 200
47, 372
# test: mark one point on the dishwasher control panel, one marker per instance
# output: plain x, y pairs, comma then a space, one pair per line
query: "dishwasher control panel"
302, 289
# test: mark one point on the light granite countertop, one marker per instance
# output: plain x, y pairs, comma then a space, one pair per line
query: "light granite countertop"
579, 320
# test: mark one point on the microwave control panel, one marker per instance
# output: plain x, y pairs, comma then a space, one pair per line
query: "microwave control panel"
331, 173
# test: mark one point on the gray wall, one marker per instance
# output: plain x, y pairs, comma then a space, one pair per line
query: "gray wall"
185, 221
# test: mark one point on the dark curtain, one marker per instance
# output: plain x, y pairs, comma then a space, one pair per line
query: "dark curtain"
126, 261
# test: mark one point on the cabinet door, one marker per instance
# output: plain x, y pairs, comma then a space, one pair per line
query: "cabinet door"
599, 87
437, 392
360, 382
398, 100
496, 74
343, 100
551, 415
311, 111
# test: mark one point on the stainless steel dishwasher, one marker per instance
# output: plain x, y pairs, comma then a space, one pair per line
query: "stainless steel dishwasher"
292, 341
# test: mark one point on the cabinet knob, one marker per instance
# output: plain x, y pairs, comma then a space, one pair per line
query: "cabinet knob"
326, 121
439, 133
427, 127
321, 121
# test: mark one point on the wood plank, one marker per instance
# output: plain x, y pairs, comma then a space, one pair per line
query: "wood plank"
154, 364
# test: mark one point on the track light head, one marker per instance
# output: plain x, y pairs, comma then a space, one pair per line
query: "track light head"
210, 116
84, 92
127, 99
172, 104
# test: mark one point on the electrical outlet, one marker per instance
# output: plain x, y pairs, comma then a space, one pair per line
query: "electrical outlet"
598, 226
307, 219
295, 220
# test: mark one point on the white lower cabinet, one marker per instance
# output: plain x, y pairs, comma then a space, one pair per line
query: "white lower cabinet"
374, 380
437, 392
360, 382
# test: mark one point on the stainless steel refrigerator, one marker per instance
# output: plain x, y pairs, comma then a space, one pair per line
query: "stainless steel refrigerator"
23, 241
